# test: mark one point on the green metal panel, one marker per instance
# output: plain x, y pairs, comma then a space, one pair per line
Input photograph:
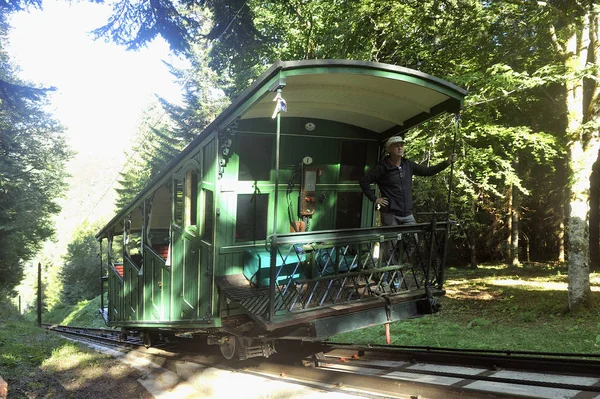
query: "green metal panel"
297, 126
226, 227
115, 298
205, 273
324, 217
325, 152
154, 292
192, 250
323, 145
126, 311
209, 213
191, 283
157, 291
164, 293
227, 264
177, 271
131, 291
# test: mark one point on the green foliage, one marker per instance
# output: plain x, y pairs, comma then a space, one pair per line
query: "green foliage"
502, 52
167, 128
33, 153
135, 25
19, 5
82, 314
509, 123
80, 274
153, 149
51, 284
499, 51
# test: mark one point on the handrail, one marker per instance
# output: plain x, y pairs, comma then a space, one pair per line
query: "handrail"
153, 251
368, 234
131, 263
339, 266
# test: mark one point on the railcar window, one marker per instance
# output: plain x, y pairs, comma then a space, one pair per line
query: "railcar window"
209, 206
251, 217
353, 159
178, 201
116, 249
134, 244
191, 197
256, 157
349, 207
160, 218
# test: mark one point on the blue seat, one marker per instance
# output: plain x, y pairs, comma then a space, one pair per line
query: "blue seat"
257, 264
326, 262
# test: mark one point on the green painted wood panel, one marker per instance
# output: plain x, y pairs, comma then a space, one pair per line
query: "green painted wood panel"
154, 268
211, 246
177, 268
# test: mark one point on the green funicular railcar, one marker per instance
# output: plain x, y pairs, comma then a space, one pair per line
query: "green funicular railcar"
259, 230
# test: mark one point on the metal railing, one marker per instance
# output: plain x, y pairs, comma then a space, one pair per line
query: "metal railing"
316, 269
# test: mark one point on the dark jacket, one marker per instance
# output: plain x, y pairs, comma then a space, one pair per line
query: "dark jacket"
395, 183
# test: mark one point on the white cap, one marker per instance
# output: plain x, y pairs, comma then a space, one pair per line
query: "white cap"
393, 140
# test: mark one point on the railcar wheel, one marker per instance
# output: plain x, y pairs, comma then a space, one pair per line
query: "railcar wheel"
148, 339
229, 347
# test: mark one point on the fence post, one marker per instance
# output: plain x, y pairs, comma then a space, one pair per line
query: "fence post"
39, 296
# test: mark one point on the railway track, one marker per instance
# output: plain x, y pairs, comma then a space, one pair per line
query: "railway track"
380, 371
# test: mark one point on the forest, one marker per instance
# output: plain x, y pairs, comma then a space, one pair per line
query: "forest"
526, 188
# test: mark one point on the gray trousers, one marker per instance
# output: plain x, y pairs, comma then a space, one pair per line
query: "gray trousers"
389, 219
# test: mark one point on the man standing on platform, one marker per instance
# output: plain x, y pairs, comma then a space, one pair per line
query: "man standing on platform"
393, 174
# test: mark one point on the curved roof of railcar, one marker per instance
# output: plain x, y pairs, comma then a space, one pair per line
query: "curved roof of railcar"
382, 98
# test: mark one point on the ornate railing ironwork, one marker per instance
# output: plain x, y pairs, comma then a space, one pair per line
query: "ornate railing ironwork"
315, 269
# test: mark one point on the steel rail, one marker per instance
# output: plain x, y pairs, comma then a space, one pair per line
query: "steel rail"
374, 369
462, 376
578, 363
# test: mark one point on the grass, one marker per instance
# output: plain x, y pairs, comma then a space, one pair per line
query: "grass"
36, 363
85, 313
500, 308
493, 307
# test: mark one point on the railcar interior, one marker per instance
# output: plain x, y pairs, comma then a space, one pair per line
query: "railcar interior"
259, 230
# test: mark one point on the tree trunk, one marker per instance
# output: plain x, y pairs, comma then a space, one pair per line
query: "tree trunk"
561, 227
582, 151
514, 220
578, 233
471, 245
514, 242
509, 224
594, 222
